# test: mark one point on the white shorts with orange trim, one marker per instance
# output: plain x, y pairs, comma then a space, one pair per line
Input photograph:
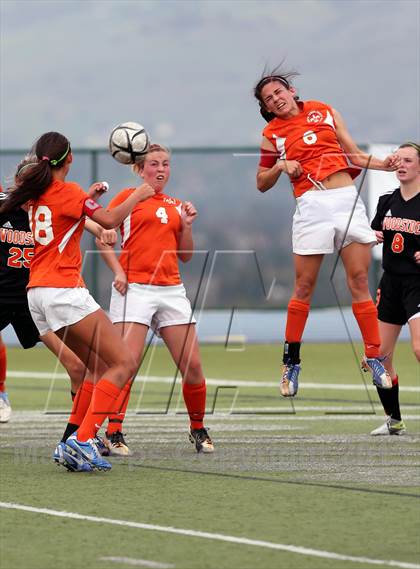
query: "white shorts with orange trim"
154, 306
328, 220
55, 308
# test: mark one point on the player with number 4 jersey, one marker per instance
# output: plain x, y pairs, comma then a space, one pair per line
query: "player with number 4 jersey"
157, 223
309, 141
148, 292
397, 226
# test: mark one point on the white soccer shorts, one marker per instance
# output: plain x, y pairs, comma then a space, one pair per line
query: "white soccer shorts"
152, 305
328, 220
55, 308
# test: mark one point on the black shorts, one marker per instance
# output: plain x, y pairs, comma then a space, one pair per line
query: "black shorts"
19, 316
398, 298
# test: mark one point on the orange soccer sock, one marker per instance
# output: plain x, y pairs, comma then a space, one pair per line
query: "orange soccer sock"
195, 402
81, 404
102, 404
3, 367
116, 419
297, 314
366, 315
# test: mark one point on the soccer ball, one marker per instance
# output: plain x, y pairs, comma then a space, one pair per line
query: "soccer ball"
128, 142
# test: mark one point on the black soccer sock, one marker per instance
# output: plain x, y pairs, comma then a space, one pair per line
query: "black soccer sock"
291, 353
70, 429
390, 401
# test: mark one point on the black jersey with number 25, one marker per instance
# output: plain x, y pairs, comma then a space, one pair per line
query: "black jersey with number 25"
16, 250
399, 220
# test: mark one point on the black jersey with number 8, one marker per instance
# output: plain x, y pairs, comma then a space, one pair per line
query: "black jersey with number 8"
399, 220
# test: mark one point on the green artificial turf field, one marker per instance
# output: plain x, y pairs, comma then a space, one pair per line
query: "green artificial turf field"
292, 484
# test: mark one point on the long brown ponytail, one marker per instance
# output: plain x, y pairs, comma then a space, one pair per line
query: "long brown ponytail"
49, 152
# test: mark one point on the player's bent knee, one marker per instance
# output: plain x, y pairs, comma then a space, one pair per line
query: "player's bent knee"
303, 290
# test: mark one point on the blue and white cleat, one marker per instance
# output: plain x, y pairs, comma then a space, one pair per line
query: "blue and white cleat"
101, 446
63, 455
290, 380
88, 452
380, 376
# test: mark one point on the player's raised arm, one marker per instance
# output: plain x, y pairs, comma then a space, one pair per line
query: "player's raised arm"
356, 155
112, 218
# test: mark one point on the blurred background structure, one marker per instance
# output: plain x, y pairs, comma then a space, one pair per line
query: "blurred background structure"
186, 71
241, 276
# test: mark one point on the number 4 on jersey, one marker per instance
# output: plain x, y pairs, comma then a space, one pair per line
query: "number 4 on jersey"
162, 215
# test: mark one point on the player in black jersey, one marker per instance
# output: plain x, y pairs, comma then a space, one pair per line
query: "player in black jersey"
397, 226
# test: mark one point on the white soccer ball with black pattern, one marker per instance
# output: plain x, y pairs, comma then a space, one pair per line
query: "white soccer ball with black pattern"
128, 142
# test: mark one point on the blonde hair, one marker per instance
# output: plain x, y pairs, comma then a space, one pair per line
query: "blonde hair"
138, 166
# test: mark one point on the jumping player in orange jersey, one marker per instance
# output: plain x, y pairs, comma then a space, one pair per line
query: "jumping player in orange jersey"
397, 226
148, 292
57, 296
309, 141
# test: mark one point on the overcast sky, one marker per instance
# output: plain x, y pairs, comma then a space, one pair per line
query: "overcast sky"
185, 69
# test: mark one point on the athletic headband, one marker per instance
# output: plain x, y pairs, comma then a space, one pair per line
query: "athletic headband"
24, 166
412, 144
58, 160
271, 78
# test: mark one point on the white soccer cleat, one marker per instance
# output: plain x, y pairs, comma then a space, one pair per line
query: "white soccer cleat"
390, 427
5, 408
116, 444
202, 441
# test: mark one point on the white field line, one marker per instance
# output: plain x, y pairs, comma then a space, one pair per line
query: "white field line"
213, 536
252, 414
220, 382
138, 562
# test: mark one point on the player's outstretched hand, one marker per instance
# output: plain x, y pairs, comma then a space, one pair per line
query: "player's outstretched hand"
120, 282
188, 213
109, 237
97, 189
417, 257
144, 192
392, 162
379, 236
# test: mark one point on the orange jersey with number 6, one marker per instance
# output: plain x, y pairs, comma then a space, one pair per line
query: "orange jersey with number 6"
57, 220
150, 240
309, 138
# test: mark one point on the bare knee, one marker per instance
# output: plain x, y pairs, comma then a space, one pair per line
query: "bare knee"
77, 372
358, 282
191, 371
304, 288
416, 350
